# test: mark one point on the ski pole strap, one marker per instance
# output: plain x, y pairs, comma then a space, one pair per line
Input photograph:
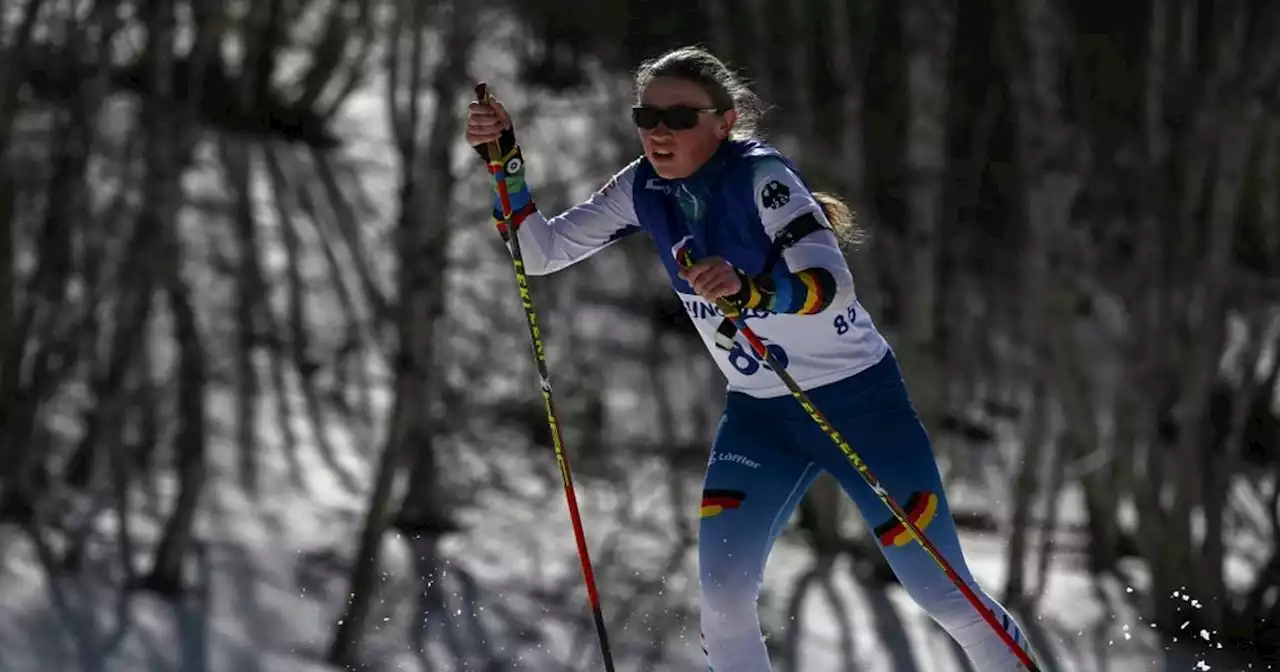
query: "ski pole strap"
505, 161
726, 334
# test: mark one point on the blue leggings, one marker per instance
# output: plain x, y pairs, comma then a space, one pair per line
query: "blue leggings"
768, 452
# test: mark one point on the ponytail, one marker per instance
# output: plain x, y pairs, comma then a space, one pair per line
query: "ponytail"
840, 216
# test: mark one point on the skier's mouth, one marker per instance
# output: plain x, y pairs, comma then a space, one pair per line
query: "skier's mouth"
662, 154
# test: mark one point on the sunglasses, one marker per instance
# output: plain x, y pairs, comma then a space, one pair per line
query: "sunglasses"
677, 118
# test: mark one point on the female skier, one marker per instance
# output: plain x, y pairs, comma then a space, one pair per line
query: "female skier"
765, 241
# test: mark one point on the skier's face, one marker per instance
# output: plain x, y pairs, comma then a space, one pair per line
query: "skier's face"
678, 126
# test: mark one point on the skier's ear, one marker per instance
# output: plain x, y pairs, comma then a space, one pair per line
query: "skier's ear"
727, 120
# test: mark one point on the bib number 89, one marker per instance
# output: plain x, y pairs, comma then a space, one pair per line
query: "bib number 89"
747, 362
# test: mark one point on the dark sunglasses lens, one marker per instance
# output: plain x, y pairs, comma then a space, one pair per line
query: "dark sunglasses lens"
681, 118
675, 118
646, 117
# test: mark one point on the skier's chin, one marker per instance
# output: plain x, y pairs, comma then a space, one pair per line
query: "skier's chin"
668, 166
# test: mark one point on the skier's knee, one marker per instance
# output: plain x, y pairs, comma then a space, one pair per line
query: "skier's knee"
734, 651
943, 602
729, 593
949, 608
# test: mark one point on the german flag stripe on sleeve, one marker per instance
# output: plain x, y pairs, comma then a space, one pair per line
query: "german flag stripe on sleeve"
754, 297
803, 292
815, 296
517, 218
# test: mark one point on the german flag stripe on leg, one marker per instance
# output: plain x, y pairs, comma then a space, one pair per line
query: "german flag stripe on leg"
715, 502
921, 507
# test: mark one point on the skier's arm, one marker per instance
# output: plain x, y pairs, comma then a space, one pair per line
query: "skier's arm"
811, 275
549, 245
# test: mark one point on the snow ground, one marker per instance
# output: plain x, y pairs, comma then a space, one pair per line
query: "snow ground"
271, 582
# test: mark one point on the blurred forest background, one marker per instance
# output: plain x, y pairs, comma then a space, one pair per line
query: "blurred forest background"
267, 394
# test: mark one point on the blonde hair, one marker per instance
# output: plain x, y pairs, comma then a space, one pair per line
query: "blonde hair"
840, 216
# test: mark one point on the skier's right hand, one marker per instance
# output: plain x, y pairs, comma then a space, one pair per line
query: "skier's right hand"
486, 122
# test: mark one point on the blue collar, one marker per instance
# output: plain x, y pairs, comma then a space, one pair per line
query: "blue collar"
694, 193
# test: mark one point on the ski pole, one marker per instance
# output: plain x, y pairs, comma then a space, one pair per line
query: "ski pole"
496, 169
685, 259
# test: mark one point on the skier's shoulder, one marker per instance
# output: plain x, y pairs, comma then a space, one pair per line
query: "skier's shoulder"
758, 154
766, 165
624, 177
778, 191
621, 184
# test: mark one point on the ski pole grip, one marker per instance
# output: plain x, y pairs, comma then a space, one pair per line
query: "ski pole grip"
725, 305
492, 147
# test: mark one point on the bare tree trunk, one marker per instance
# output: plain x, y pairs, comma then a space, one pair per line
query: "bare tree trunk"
133, 440
251, 291
1049, 535
721, 27
420, 302
758, 37
133, 310
13, 63
1034, 35
1133, 415
41, 342
656, 363
1169, 40
424, 264
173, 140
1222, 224
801, 110
851, 26
929, 31
166, 575
1221, 139
1164, 304
102, 434
1025, 488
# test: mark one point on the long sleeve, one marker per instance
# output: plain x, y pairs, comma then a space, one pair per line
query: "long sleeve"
549, 245
811, 275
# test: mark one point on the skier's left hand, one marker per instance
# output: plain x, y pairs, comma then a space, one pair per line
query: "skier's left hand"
712, 278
